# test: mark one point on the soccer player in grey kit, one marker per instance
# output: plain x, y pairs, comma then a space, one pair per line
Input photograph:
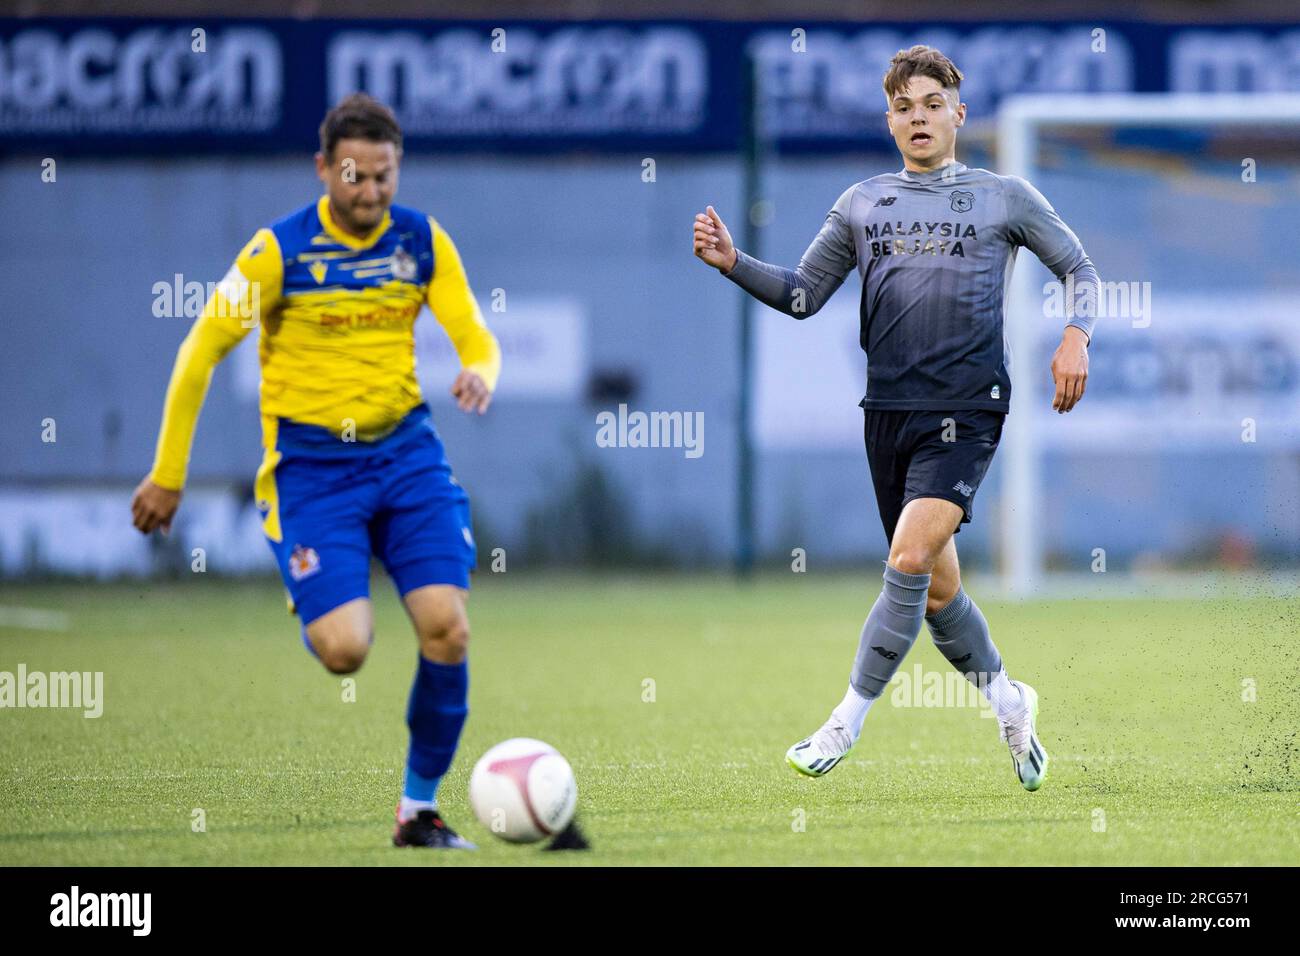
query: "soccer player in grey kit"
934, 245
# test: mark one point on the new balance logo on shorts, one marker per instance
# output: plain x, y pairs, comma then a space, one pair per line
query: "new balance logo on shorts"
965, 489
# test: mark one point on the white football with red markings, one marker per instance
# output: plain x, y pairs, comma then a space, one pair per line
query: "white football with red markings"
523, 790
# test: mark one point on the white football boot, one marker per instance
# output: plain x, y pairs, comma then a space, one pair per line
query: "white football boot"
820, 753
1020, 732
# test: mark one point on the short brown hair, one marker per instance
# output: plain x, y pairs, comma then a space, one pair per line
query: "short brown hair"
920, 60
359, 116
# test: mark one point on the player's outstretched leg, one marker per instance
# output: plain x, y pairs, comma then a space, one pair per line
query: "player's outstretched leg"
961, 634
435, 714
924, 529
887, 635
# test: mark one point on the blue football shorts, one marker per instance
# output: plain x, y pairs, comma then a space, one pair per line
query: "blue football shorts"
328, 505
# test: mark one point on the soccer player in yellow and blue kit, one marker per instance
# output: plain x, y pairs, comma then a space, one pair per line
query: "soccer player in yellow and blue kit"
352, 463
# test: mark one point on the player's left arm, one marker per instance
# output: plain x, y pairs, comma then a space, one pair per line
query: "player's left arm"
1036, 226
453, 304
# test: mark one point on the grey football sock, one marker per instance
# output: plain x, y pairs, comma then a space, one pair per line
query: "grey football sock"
890, 631
962, 635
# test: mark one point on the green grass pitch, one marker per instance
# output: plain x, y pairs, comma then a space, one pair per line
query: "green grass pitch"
212, 703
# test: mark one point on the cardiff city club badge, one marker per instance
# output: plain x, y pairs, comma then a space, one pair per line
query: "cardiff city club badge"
402, 263
962, 201
303, 561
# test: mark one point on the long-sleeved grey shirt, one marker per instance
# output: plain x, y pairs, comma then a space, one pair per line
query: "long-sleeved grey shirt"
935, 252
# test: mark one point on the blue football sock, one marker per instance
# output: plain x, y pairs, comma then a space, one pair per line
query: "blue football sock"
420, 789
435, 714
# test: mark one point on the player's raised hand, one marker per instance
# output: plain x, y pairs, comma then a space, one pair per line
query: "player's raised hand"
471, 392
1070, 369
153, 506
713, 242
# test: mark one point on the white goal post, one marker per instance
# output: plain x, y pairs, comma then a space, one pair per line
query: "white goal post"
1020, 549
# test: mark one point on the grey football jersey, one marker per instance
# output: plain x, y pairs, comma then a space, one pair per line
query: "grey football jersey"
934, 251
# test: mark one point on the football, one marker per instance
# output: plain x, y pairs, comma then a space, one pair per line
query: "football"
523, 790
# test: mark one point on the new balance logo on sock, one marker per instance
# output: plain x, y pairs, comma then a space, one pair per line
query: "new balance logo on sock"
887, 655
958, 661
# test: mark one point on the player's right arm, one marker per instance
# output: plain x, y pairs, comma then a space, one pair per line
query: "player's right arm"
799, 292
248, 291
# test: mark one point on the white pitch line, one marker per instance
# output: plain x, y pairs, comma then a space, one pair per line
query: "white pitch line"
145, 776
34, 618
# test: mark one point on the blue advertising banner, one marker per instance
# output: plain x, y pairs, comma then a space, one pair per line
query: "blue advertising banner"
147, 86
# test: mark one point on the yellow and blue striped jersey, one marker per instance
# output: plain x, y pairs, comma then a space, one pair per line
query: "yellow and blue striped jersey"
337, 317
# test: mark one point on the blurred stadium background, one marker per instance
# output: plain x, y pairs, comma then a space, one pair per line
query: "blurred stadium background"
139, 155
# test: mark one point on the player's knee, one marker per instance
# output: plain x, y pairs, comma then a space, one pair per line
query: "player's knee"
912, 560
346, 655
445, 639
341, 638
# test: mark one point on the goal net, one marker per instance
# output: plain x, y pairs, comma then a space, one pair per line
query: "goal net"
1185, 453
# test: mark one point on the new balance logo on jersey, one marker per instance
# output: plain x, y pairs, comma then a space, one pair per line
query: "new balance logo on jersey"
887, 655
965, 489
886, 200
